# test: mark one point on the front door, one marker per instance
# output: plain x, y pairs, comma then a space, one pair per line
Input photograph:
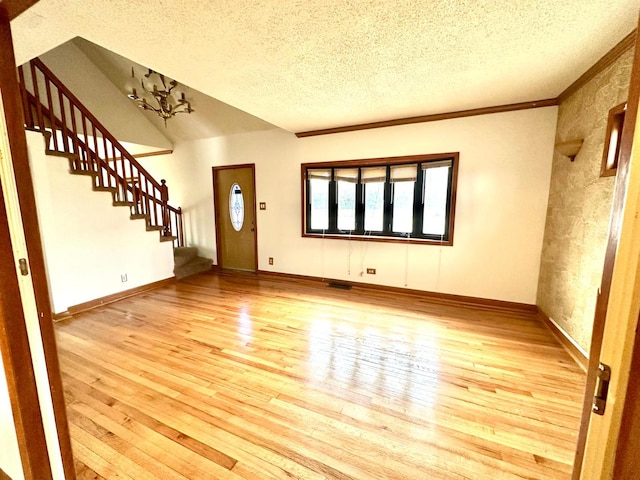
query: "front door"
235, 207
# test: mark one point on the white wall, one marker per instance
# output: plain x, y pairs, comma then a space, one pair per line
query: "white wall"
187, 182
109, 104
88, 243
503, 186
10, 461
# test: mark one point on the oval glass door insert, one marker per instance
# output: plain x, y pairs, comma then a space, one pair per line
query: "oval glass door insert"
236, 207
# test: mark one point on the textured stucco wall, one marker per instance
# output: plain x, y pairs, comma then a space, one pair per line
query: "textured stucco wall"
579, 205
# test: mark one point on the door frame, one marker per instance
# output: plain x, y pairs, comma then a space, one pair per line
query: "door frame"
612, 313
214, 170
18, 364
16, 7
625, 463
12, 106
605, 451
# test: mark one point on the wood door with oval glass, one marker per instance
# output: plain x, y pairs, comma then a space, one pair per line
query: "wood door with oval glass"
235, 209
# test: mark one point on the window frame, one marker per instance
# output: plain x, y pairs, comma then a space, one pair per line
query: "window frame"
387, 235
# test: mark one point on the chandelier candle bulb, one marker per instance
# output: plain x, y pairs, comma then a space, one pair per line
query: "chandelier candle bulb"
158, 96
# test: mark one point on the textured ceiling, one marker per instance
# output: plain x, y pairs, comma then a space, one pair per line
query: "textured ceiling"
312, 64
211, 118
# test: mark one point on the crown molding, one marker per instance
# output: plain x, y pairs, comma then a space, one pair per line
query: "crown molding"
433, 117
609, 58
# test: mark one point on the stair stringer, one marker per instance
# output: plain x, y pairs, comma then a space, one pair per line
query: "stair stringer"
88, 244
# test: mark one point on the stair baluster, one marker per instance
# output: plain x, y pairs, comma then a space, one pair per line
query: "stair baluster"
49, 107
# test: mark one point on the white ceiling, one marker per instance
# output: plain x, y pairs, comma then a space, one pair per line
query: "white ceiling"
211, 118
311, 64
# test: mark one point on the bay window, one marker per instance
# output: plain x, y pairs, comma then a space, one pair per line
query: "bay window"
401, 198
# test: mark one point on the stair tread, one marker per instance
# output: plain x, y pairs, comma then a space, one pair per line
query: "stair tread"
182, 255
88, 173
55, 153
195, 265
198, 259
185, 251
124, 184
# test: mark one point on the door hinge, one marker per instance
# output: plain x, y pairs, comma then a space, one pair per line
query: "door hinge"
602, 389
24, 268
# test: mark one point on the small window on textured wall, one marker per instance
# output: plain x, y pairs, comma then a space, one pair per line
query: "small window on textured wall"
612, 140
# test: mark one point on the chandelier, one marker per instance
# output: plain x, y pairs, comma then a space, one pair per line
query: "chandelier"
158, 95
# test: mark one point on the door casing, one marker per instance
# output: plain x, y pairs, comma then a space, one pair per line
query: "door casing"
17, 146
616, 310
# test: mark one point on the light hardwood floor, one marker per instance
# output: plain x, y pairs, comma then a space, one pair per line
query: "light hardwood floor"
234, 377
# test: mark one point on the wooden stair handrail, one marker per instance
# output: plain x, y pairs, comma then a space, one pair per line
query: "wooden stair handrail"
103, 130
147, 197
126, 182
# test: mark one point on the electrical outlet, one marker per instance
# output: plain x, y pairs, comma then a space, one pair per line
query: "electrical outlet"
263, 205
123, 277
270, 260
371, 271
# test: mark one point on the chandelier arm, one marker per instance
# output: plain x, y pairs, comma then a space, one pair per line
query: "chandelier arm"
165, 109
173, 84
146, 106
164, 85
156, 96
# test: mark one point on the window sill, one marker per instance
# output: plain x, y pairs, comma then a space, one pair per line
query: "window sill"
378, 238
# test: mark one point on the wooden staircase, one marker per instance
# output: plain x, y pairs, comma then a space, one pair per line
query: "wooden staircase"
71, 130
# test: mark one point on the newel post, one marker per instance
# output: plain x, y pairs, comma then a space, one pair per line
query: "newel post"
164, 197
180, 227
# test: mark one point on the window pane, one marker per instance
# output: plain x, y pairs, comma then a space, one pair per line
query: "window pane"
436, 183
236, 207
346, 205
403, 207
373, 206
319, 200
